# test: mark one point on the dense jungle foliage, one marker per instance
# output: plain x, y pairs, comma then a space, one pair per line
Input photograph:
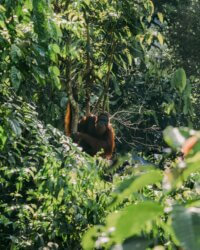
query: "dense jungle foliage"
139, 60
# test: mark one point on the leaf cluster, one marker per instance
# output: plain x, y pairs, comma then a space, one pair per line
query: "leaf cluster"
50, 191
161, 207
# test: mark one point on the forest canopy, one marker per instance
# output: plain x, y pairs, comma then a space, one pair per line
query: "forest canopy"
138, 61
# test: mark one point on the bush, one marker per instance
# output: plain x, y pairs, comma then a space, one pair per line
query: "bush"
162, 208
50, 190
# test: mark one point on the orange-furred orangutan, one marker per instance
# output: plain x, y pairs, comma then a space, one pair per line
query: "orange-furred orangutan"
94, 133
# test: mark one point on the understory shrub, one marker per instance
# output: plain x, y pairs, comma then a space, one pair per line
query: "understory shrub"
50, 190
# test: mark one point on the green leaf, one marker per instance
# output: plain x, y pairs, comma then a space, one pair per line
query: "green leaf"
193, 164
160, 17
134, 218
179, 80
185, 108
129, 56
15, 126
2, 24
55, 48
16, 77
87, 2
53, 56
186, 225
173, 137
2, 8
169, 107
28, 4
60, 195
188, 89
160, 38
54, 70
55, 30
57, 82
140, 182
15, 53
136, 243
88, 240
3, 137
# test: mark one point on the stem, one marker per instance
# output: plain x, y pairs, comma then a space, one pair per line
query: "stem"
108, 73
88, 65
104, 94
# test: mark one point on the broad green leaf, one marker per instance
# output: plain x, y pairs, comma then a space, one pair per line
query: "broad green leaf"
186, 225
53, 56
185, 108
188, 89
15, 126
88, 240
179, 80
15, 53
140, 182
16, 77
2, 24
173, 137
55, 48
54, 70
136, 243
57, 82
134, 218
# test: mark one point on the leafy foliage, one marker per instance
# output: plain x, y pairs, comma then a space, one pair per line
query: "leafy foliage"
158, 208
48, 195
127, 56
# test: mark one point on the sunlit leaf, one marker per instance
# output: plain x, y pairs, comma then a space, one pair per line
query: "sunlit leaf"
88, 240
134, 218
54, 70
160, 38
2, 24
3, 137
160, 16
136, 184
60, 195
55, 48
87, 2
136, 243
57, 82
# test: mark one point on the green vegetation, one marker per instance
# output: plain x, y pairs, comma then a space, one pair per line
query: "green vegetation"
139, 60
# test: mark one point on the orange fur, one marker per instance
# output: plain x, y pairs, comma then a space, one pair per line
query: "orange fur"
68, 120
87, 136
